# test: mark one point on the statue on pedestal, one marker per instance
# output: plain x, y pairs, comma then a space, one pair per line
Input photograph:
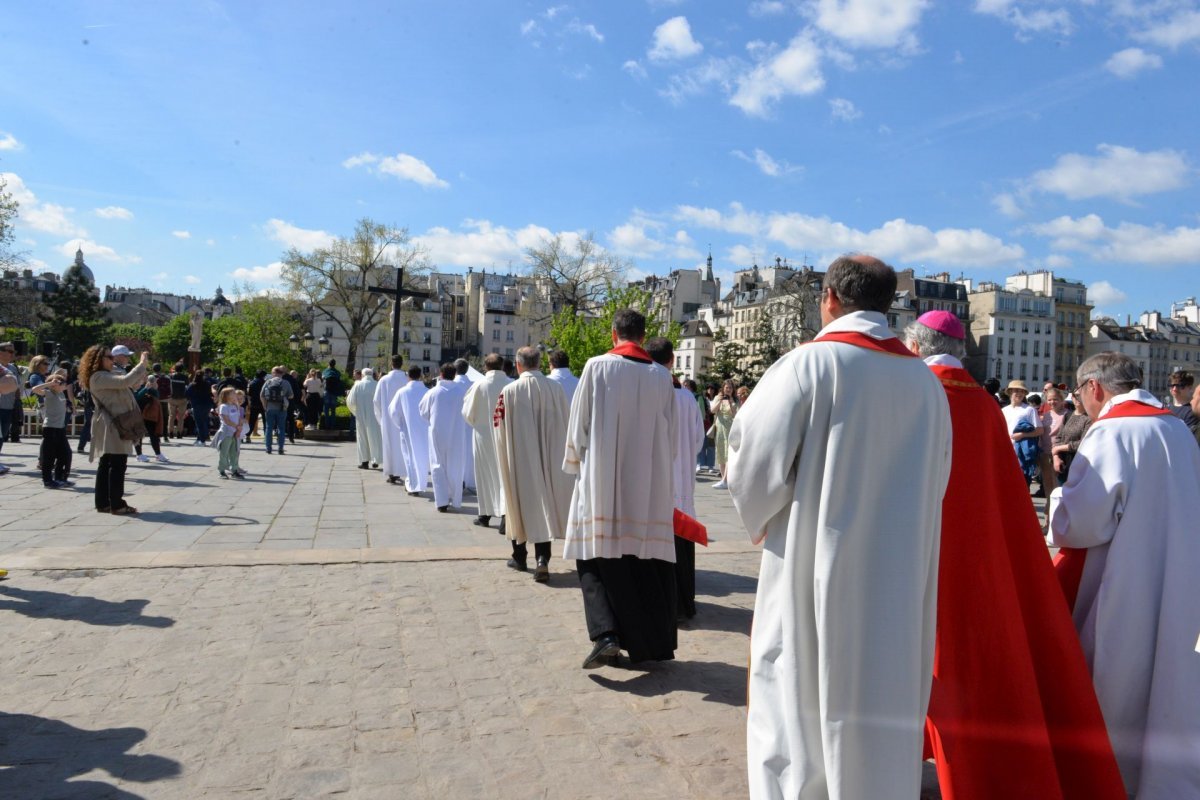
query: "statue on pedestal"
197, 328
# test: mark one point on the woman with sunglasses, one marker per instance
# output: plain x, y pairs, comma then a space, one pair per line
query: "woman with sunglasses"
112, 393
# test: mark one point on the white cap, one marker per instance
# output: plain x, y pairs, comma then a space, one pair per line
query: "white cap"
121, 350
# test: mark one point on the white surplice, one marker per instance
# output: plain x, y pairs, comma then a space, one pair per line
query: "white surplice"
839, 459
442, 409
479, 408
687, 447
468, 447
563, 377
531, 432
623, 501
1132, 499
361, 402
393, 453
405, 413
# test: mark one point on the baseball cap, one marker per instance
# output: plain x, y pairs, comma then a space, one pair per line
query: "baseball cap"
121, 350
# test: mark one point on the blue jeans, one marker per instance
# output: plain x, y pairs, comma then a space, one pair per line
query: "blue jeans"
201, 418
276, 422
329, 410
85, 433
708, 454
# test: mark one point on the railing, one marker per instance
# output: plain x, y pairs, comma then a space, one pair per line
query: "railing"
31, 425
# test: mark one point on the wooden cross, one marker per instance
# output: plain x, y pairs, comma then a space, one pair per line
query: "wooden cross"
396, 293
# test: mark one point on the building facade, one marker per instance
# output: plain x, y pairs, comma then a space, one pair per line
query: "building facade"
1072, 318
679, 296
1011, 335
1149, 348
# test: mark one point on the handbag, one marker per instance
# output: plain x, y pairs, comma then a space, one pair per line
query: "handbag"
130, 425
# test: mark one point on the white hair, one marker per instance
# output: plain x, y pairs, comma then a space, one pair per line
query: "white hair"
933, 343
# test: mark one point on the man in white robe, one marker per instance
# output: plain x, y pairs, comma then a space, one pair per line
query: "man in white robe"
361, 402
845, 486
462, 369
687, 446
1130, 504
560, 373
620, 442
405, 413
442, 409
385, 392
531, 433
479, 407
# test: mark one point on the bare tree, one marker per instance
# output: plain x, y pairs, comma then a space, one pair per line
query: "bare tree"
579, 270
335, 279
794, 305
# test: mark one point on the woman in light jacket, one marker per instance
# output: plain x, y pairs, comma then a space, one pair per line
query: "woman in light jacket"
112, 394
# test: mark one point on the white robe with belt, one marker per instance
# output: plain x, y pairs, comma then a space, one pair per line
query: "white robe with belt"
687, 447
1133, 501
839, 460
479, 408
531, 431
361, 402
393, 453
468, 450
405, 413
442, 409
621, 442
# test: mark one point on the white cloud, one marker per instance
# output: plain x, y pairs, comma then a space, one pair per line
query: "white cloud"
796, 70
871, 23
766, 164
1119, 173
1103, 293
673, 41
530, 27
479, 243
720, 72
192, 280
1183, 28
181, 234
843, 109
159, 276
645, 237
401, 165
1129, 62
210, 242
896, 239
766, 8
9, 142
289, 235
1007, 205
113, 212
1028, 20
262, 274
1057, 261
742, 255
1127, 243
45, 217
635, 69
94, 252
585, 29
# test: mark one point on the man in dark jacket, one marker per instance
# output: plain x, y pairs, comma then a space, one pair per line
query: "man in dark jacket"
256, 406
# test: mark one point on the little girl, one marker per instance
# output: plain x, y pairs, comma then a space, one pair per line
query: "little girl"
56, 451
226, 439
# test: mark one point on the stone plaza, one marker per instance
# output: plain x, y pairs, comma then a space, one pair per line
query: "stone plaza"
312, 631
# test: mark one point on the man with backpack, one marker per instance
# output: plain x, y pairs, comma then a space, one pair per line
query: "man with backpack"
275, 396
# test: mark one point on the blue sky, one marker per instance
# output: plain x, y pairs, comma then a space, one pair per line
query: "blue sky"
187, 145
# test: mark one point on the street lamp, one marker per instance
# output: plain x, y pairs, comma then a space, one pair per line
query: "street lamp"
294, 343
323, 345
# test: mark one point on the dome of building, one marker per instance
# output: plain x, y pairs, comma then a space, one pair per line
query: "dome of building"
81, 268
220, 300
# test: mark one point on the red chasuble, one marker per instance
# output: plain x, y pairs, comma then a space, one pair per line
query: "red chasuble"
1068, 564
1012, 712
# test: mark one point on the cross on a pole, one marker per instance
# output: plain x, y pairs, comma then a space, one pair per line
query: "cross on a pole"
395, 293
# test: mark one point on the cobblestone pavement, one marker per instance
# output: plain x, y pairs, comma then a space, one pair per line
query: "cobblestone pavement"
315, 632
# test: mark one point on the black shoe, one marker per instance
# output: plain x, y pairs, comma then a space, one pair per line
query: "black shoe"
482, 521
519, 566
542, 573
444, 509
414, 494
364, 465
607, 648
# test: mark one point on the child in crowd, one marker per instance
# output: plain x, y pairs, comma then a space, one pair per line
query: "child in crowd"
245, 429
55, 455
226, 439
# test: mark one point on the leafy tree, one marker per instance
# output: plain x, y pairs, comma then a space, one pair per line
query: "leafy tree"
334, 280
580, 271
727, 360
172, 339
8, 218
583, 336
77, 321
256, 336
767, 344
134, 335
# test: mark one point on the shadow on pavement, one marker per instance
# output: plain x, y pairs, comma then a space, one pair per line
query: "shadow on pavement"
723, 584
712, 617
78, 608
182, 518
717, 681
39, 756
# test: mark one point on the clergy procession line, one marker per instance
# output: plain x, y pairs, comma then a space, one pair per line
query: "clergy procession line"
907, 604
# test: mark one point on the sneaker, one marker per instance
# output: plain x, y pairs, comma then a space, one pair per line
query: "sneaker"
222, 474
3, 469
143, 457
720, 485
197, 443
160, 458
238, 475
67, 483
53, 484
699, 469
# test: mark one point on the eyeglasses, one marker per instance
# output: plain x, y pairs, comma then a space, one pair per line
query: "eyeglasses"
1079, 388
1178, 385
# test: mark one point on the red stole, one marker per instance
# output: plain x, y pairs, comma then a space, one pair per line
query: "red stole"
892, 346
1070, 560
690, 529
631, 350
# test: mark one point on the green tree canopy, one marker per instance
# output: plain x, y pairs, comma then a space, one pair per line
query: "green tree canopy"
134, 335
256, 336
727, 361
585, 336
77, 321
171, 341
